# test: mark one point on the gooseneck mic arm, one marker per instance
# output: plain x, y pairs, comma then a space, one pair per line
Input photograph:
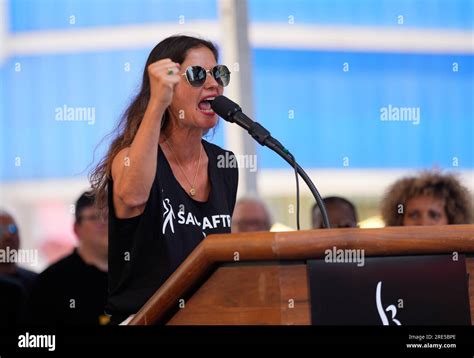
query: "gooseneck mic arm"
231, 112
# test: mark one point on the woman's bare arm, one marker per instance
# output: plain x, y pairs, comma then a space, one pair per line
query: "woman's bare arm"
134, 167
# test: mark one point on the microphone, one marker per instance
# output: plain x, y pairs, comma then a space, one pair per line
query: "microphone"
231, 112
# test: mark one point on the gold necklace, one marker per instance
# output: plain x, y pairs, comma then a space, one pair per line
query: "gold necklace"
192, 191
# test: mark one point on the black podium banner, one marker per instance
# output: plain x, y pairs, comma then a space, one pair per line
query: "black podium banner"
405, 290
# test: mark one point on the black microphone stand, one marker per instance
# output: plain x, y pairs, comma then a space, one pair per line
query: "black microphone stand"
263, 136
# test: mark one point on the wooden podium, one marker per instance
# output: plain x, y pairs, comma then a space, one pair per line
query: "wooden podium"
261, 278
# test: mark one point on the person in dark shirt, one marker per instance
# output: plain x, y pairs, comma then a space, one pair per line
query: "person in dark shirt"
166, 188
12, 300
9, 242
73, 291
341, 212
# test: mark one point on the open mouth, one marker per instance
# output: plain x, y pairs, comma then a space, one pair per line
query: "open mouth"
205, 106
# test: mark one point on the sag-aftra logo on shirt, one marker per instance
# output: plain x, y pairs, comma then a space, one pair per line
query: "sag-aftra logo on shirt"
170, 219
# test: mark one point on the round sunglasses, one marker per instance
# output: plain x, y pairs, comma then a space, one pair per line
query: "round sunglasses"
196, 75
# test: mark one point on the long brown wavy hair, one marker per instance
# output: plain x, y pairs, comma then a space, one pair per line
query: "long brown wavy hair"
457, 199
175, 48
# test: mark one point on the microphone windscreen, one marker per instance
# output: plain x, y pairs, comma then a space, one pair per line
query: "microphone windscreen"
225, 108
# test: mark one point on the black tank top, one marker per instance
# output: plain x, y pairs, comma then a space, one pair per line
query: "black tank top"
145, 250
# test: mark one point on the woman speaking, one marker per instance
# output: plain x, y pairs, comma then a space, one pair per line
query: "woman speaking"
164, 190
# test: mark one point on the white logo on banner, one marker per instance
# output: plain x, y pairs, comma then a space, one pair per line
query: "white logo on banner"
391, 308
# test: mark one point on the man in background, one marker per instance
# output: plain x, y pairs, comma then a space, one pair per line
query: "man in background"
250, 214
341, 212
73, 291
10, 238
15, 282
